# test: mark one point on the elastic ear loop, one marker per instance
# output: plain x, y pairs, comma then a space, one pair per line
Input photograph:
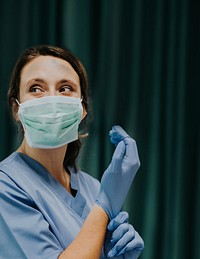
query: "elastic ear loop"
86, 134
17, 102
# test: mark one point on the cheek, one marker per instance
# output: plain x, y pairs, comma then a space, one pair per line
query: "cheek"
21, 94
24, 96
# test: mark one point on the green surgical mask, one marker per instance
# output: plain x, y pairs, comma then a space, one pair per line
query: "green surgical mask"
50, 122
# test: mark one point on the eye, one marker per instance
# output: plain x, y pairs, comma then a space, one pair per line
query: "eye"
36, 89
66, 89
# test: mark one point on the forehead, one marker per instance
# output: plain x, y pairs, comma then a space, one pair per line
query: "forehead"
49, 66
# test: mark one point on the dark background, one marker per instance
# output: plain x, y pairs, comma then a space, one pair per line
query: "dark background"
142, 59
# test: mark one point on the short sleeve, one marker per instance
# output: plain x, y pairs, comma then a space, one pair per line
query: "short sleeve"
30, 231
7, 239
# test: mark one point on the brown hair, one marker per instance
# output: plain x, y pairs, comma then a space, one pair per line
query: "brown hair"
47, 50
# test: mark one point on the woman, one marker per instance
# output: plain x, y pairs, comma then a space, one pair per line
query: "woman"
52, 209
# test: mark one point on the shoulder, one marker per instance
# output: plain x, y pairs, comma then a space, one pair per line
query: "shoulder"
10, 159
13, 198
9, 164
12, 162
9, 175
13, 168
17, 177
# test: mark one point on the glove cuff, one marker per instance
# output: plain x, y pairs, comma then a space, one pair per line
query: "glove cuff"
103, 201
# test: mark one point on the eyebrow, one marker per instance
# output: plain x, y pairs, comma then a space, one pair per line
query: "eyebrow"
62, 81
36, 80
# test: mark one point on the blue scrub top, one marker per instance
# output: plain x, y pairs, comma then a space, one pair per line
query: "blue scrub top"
7, 238
42, 217
39, 218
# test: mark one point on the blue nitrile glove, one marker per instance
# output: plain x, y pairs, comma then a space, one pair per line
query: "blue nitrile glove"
121, 238
118, 177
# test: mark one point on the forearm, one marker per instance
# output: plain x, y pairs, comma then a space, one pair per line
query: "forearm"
90, 239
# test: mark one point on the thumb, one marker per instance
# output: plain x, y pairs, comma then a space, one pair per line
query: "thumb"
117, 134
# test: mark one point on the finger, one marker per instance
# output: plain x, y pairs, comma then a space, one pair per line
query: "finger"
131, 154
137, 243
124, 243
129, 247
122, 235
120, 131
121, 218
132, 244
118, 154
117, 134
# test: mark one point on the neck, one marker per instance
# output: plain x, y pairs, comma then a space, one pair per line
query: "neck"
51, 159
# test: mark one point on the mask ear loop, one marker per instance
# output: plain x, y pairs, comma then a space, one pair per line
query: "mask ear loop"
17, 102
20, 127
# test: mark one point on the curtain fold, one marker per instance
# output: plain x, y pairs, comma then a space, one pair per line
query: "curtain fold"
142, 59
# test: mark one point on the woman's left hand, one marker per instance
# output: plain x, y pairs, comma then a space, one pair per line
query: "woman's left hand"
121, 237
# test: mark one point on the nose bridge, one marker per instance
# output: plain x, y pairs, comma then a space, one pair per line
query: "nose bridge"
52, 90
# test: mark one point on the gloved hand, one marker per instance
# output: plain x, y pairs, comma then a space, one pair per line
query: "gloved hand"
118, 177
121, 238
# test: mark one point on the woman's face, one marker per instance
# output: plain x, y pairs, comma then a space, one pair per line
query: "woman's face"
47, 75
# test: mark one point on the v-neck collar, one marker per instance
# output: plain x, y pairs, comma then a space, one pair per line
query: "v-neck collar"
77, 203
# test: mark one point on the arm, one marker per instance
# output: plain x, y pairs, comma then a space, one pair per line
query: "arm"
32, 232
88, 243
118, 176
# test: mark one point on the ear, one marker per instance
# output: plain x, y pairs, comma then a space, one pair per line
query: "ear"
84, 113
15, 108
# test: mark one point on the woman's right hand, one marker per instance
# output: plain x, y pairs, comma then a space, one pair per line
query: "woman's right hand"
118, 177
122, 238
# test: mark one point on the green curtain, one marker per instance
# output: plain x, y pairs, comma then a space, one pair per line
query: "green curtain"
142, 59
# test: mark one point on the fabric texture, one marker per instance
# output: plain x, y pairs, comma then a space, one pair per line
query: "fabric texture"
37, 212
40, 213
